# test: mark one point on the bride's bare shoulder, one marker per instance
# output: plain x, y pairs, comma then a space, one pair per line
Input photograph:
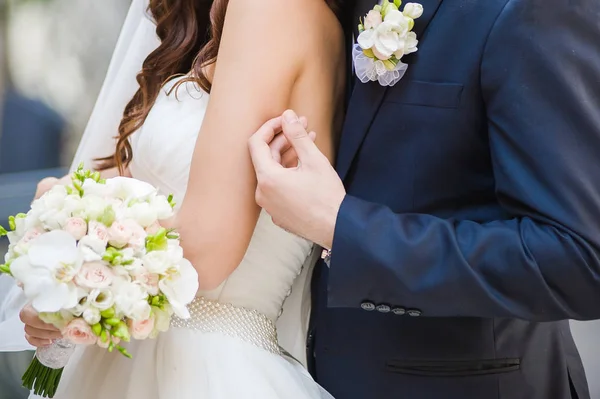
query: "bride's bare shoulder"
310, 19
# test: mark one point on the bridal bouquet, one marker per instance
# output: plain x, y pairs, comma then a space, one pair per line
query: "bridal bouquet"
94, 261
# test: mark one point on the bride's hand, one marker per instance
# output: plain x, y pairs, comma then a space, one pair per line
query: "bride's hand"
37, 332
46, 184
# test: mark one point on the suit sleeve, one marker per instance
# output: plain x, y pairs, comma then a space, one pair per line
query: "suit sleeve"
540, 78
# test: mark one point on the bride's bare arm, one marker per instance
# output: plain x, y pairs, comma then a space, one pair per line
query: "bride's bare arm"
254, 78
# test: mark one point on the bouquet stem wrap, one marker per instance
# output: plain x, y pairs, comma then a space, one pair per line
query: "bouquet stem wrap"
45, 370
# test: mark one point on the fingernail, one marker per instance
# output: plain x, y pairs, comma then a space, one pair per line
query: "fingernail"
290, 116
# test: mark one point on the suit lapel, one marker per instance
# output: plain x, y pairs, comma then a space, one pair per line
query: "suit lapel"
366, 98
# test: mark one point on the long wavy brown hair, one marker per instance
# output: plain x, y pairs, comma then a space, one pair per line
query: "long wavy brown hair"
190, 34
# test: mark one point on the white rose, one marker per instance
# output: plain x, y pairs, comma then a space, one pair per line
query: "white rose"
74, 205
101, 298
77, 227
413, 10
91, 316
180, 288
47, 270
127, 188
94, 207
143, 213
92, 188
161, 206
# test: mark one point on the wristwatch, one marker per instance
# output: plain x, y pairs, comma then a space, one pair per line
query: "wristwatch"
326, 256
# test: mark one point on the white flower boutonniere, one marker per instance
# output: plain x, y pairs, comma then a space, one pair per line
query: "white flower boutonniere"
385, 37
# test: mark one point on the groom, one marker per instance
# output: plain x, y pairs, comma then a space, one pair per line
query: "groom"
467, 228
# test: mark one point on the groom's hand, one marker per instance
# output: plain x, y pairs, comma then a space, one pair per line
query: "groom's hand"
303, 199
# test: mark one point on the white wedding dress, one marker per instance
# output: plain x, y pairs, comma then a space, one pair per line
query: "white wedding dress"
228, 349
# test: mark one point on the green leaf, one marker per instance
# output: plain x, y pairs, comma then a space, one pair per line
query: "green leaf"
158, 241
3, 231
5, 269
171, 202
11, 223
398, 3
113, 321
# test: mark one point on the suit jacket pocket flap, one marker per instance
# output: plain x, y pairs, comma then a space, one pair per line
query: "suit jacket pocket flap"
453, 368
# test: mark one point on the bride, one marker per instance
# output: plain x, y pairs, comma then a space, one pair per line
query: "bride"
185, 131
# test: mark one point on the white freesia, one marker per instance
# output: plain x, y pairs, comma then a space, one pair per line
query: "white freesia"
411, 42
49, 209
381, 45
160, 262
180, 288
131, 300
413, 10
47, 270
102, 298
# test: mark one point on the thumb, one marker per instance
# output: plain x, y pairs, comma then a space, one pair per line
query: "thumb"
298, 137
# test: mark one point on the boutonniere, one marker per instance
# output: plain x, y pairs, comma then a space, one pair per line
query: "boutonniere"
385, 37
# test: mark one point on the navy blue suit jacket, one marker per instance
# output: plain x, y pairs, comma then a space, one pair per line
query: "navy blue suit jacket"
471, 228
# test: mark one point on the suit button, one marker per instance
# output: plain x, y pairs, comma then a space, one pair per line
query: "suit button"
413, 312
399, 311
383, 308
368, 306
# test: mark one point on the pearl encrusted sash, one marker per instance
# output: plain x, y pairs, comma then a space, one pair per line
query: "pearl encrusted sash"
248, 325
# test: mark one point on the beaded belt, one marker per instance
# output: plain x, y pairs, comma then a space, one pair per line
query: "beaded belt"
248, 325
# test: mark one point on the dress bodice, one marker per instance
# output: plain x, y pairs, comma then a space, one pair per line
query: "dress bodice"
162, 155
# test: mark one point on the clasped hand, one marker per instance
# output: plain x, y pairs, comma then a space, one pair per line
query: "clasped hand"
297, 185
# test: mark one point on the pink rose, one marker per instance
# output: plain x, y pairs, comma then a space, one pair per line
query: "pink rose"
104, 345
94, 275
98, 231
119, 234
373, 19
138, 235
79, 332
148, 280
77, 227
126, 232
141, 329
